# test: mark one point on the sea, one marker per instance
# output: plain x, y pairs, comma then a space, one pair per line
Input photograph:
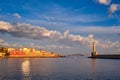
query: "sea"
68, 68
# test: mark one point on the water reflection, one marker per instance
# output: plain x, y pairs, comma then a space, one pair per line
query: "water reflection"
26, 69
93, 63
44, 66
59, 69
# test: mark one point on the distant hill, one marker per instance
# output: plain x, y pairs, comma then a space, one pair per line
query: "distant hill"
75, 55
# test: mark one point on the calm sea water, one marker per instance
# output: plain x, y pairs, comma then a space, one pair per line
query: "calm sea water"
70, 68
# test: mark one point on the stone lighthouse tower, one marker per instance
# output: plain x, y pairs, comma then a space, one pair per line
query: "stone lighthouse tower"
94, 53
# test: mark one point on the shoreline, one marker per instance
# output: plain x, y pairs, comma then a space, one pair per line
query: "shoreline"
33, 57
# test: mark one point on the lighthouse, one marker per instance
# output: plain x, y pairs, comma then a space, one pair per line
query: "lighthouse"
94, 52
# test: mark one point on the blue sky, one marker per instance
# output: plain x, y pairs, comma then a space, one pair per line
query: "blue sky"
70, 26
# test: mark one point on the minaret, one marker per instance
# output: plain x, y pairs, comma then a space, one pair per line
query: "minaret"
94, 52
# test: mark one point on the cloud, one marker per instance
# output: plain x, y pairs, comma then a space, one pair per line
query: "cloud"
1, 40
105, 2
5, 25
114, 7
17, 15
32, 45
67, 20
41, 34
51, 47
6, 44
98, 29
110, 44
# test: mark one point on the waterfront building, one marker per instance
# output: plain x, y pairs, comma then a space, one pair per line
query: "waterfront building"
16, 53
10, 49
26, 52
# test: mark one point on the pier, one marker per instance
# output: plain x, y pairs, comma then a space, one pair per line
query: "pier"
94, 54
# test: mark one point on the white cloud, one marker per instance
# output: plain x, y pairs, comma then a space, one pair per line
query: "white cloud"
17, 15
110, 44
114, 7
5, 25
50, 47
41, 33
105, 2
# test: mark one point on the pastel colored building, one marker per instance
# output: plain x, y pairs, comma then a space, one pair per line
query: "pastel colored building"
16, 53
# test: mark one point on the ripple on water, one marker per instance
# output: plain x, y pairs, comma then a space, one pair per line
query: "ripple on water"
61, 76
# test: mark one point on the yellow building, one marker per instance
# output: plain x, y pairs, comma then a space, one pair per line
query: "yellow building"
10, 49
29, 52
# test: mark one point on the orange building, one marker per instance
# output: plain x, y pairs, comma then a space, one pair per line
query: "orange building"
16, 53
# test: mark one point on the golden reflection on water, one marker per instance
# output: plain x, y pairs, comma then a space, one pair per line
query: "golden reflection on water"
26, 69
94, 65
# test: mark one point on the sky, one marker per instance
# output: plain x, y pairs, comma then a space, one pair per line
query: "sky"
61, 26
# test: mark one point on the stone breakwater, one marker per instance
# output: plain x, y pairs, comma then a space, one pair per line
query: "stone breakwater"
107, 56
